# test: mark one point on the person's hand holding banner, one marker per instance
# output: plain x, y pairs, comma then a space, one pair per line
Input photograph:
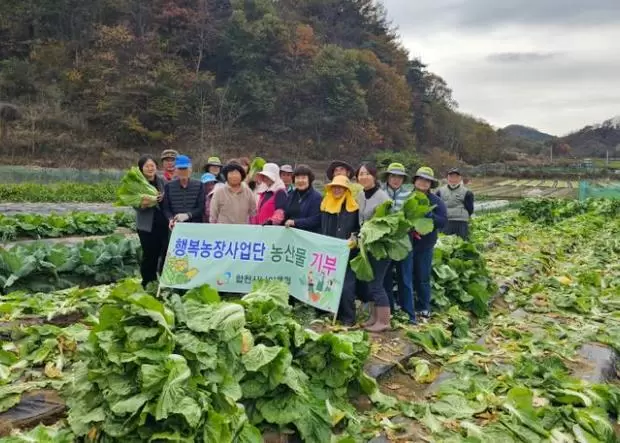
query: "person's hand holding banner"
181, 218
352, 241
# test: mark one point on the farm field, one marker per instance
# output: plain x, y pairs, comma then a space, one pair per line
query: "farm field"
98, 197
523, 188
507, 356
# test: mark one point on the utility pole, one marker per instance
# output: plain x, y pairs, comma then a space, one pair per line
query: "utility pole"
551, 151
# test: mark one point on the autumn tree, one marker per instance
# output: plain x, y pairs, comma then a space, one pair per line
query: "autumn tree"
329, 75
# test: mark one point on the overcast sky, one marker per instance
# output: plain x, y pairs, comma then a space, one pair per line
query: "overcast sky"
550, 64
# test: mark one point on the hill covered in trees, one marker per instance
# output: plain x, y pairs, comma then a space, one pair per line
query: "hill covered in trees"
96, 81
596, 140
526, 133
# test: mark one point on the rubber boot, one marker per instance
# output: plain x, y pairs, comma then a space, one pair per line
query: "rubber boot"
373, 316
383, 320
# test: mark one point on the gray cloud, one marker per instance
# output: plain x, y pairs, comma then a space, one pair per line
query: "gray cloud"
521, 57
486, 14
549, 64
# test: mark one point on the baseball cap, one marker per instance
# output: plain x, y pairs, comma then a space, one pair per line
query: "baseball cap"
183, 162
207, 177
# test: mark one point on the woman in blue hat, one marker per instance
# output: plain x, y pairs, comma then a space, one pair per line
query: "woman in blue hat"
209, 181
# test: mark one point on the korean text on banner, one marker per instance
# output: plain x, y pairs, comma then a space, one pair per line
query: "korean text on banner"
231, 257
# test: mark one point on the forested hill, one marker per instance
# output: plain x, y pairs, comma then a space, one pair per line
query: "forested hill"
527, 133
97, 80
596, 140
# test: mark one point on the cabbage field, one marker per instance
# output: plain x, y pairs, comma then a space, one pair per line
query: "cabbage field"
522, 345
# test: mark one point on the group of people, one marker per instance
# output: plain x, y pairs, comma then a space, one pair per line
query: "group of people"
283, 195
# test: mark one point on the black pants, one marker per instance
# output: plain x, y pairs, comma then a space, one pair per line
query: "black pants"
154, 247
346, 309
460, 228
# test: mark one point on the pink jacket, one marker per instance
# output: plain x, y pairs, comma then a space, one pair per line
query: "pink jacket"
270, 207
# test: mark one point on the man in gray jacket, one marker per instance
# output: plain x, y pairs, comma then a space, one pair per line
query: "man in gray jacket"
460, 204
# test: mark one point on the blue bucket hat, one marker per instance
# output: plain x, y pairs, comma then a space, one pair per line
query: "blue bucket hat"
207, 177
183, 162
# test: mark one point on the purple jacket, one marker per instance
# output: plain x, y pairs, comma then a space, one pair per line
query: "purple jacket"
309, 218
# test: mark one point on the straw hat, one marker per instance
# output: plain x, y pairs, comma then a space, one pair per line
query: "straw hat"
339, 180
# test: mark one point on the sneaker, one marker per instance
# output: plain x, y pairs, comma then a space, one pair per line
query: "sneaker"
425, 316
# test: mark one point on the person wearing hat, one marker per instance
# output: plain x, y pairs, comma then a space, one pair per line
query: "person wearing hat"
151, 224
394, 178
423, 245
233, 202
303, 205
339, 167
208, 182
340, 219
374, 291
271, 197
459, 201
214, 166
184, 198
168, 158
286, 174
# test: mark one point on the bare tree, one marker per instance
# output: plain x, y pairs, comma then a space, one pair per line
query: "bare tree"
230, 110
8, 114
201, 21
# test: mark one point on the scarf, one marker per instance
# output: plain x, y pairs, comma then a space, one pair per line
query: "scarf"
275, 187
333, 205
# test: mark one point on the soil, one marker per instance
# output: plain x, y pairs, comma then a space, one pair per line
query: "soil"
402, 386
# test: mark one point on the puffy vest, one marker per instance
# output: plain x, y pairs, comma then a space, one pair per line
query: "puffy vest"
266, 207
455, 202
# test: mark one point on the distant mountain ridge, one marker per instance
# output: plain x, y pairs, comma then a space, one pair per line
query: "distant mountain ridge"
596, 140
526, 132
